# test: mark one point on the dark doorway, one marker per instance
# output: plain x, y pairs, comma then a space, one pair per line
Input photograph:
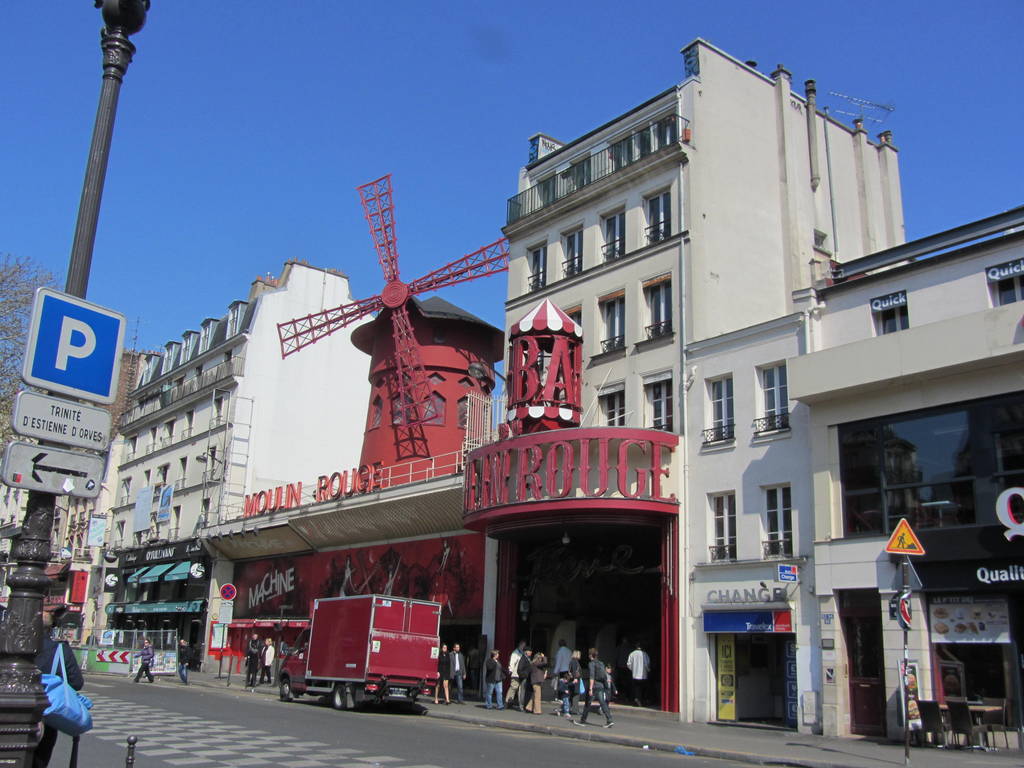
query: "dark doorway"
860, 613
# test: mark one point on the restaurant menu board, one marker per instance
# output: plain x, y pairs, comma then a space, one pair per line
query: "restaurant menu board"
969, 620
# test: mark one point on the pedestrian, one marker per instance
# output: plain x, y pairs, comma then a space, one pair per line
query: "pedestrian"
512, 695
576, 673
185, 656
562, 657
145, 657
596, 681
523, 670
538, 673
563, 689
494, 674
639, 670
44, 661
622, 665
267, 661
444, 673
252, 661
458, 672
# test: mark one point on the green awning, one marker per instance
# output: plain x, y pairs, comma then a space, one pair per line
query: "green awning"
154, 573
179, 572
135, 576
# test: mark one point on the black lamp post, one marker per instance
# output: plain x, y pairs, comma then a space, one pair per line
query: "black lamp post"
22, 699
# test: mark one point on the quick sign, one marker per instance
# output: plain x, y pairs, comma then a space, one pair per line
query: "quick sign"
882, 303
74, 347
52, 470
1007, 269
60, 421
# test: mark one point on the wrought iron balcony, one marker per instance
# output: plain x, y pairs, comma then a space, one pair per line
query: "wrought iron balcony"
720, 552
614, 249
658, 232
612, 343
773, 422
622, 154
776, 548
228, 369
573, 266
654, 330
720, 434
537, 281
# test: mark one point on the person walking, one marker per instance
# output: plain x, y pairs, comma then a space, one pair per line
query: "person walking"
444, 673
576, 674
494, 675
252, 661
514, 682
596, 681
267, 654
185, 657
538, 673
561, 664
523, 670
458, 671
639, 670
145, 657
563, 689
44, 661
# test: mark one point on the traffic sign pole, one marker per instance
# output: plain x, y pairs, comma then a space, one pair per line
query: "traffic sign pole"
904, 595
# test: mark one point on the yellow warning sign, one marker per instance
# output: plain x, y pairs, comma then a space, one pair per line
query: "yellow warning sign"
904, 541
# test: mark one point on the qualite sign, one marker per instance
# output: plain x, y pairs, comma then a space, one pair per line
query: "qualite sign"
60, 421
52, 470
74, 347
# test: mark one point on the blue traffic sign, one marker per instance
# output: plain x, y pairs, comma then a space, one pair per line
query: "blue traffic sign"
74, 347
788, 572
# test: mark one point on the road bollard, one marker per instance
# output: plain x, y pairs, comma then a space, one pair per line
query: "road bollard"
130, 759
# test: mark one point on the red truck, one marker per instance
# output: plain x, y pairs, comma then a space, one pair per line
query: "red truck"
364, 649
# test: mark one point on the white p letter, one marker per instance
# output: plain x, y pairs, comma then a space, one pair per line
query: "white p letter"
66, 350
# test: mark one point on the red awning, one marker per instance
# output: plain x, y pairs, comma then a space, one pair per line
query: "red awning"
268, 623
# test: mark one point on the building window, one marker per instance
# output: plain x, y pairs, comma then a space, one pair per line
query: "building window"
189, 346
659, 217
659, 403
168, 437
170, 355
723, 512
538, 262
613, 406
573, 245
235, 317
1007, 291
463, 412
775, 405
206, 334
778, 522
120, 531
614, 236
218, 410
891, 320
576, 315
613, 315
432, 412
658, 297
722, 427
376, 412
183, 465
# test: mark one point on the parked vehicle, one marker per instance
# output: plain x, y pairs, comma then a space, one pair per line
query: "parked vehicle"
364, 649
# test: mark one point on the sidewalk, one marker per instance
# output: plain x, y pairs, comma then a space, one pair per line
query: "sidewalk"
662, 731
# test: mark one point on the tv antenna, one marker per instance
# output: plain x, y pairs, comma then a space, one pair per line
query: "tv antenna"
884, 110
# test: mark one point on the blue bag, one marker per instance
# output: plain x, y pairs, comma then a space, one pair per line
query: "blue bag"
69, 710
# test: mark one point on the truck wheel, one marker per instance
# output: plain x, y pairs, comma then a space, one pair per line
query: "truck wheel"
286, 690
338, 697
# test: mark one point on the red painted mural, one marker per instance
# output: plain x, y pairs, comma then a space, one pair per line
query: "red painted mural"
449, 570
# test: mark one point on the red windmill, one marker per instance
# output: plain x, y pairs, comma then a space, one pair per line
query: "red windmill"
411, 388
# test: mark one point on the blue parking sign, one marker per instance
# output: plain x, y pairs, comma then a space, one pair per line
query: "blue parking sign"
74, 347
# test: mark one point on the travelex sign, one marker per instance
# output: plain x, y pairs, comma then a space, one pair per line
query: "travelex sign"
74, 347
889, 301
748, 621
1007, 269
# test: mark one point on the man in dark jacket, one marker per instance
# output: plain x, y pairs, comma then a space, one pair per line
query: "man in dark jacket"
523, 670
252, 660
538, 673
41, 757
185, 656
458, 671
494, 676
146, 656
596, 682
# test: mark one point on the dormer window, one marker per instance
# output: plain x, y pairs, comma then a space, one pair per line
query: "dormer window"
206, 334
235, 317
170, 356
188, 346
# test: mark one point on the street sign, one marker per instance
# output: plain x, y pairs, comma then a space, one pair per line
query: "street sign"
903, 610
74, 347
904, 541
60, 421
52, 470
789, 573
228, 591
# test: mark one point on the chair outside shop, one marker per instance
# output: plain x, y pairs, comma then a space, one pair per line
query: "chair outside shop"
932, 723
961, 721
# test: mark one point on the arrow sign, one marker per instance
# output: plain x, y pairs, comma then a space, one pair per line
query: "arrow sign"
52, 470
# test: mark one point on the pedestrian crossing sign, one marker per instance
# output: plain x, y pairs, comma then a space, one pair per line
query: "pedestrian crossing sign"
904, 541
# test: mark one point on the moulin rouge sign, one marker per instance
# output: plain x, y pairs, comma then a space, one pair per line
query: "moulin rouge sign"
346, 483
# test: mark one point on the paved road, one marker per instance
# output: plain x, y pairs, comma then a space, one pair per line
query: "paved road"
205, 728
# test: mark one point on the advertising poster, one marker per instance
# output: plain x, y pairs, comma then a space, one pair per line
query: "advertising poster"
143, 509
163, 511
448, 570
97, 531
911, 691
726, 654
969, 619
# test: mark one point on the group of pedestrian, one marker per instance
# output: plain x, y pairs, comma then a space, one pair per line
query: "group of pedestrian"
147, 655
259, 660
451, 674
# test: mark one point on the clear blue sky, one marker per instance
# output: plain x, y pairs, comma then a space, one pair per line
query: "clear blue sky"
244, 127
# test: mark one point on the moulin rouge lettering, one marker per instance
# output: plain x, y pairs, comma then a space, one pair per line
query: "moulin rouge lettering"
328, 488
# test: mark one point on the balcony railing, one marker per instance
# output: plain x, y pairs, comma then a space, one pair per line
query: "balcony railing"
773, 422
658, 232
614, 249
612, 343
233, 367
655, 330
776, 548
720, 552
572, 266
537, 281
720, 434
622, 154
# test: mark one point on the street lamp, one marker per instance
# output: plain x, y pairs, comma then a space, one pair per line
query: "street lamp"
22, 699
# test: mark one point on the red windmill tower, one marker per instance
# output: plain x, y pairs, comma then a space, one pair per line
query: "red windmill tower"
411, 398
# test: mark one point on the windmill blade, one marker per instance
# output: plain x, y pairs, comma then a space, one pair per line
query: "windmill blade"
380, 215
414, 394
486, 261
303, 331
